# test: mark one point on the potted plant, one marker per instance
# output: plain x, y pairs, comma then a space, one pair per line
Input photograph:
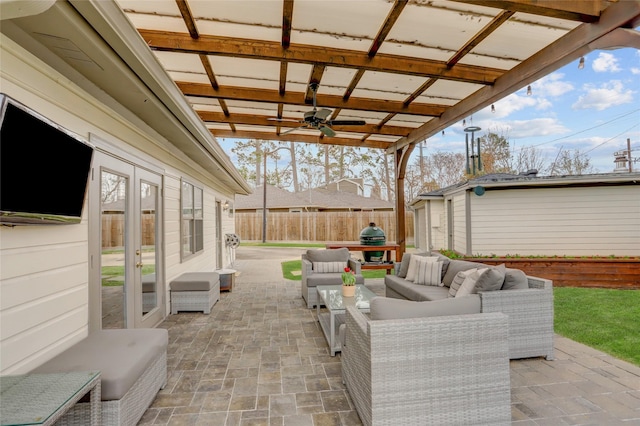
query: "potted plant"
348, 282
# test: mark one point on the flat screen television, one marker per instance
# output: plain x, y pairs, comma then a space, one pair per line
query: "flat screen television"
44, 169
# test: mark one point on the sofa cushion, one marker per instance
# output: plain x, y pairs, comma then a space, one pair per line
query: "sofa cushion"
324, 267
412, 272
404, 264
445, 262
120, 355
412, 291
329, 278
491, 279
385, 308
458, 280
469, 284
455, 266
515, 279
328, 255
428, 272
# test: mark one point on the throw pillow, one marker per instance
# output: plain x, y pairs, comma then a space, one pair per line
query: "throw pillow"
458, 280
491, 280
404, 265
469, 282
515, 279
413, 265
325, 267
428, 272
386, 308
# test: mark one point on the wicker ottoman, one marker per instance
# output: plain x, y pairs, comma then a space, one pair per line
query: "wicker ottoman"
195, 291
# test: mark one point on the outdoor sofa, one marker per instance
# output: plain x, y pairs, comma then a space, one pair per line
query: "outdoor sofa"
325, 267
528, 301
434, 369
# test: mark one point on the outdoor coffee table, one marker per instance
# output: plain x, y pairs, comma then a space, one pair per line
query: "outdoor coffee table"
331, 297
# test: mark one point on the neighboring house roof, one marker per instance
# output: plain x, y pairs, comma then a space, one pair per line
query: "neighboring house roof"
320, 199
530, 180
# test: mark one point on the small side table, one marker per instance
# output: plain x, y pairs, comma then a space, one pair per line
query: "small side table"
227, 277
41, 399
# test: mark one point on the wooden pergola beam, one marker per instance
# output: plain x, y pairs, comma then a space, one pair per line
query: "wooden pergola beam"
574, 10
299, 138
296, 98
267, 50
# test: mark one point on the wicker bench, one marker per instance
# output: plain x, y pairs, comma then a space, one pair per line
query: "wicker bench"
195, 291
133, 367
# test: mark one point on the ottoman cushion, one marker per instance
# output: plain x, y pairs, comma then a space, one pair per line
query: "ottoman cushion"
195, 281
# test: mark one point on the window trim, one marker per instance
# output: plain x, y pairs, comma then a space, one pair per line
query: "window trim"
196, 239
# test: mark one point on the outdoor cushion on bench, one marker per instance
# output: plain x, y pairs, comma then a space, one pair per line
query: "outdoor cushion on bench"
195, 291
133, 367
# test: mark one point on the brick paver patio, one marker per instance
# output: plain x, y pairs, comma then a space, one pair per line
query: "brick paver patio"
260, 358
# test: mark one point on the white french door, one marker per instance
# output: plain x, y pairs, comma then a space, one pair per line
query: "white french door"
126, 275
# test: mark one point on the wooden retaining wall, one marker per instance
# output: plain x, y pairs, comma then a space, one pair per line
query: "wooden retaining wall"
565, 272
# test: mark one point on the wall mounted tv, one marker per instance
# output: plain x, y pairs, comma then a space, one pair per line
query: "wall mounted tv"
44, 169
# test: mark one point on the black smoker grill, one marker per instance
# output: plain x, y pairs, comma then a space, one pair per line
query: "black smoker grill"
372, 236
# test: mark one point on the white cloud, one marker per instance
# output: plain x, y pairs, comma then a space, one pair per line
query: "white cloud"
606, 62
607, 95
511, 104
518, 129
551, 85
635, 71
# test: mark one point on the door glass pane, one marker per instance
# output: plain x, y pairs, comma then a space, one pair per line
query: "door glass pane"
113, 228
147, 257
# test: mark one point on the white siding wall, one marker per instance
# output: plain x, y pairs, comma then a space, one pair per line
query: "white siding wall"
44, 269
438, 225
557, 221
459, 223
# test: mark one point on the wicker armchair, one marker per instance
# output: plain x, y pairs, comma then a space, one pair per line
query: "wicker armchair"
311, 278
437, 371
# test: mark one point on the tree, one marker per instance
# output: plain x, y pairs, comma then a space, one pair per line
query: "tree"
571, 162
495, 154
444, 168
529, 158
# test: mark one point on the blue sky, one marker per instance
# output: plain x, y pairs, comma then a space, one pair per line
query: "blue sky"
594, 109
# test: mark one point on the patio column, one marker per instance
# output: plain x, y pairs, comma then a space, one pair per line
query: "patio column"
401, 159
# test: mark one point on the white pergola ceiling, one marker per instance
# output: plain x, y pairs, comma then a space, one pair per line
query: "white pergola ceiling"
408, 69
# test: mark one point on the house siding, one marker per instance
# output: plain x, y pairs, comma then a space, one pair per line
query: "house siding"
459, 204
601, 220
44, 270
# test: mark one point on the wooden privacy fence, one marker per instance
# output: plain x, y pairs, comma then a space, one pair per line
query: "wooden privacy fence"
319, 226
113, 230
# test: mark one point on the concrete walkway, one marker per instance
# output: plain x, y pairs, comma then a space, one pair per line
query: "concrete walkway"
260, 358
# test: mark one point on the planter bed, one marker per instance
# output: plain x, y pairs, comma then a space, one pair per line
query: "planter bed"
576, 272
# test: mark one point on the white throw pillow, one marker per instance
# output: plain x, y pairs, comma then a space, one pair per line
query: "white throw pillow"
469, 283
428, 273
458, 280
413, 264
324, 267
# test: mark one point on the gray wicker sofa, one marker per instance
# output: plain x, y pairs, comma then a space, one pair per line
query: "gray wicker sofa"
432, 370
133, 367
528, 301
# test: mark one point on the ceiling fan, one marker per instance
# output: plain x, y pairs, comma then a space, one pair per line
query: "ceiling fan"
317, 118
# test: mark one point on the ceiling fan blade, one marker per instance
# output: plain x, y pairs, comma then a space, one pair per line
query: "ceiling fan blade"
327, 131
284, 120
323, 113
346, 122
292, 129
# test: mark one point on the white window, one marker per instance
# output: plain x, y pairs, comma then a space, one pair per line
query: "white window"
192, 220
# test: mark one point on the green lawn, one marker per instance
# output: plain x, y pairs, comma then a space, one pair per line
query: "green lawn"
608, 320
111, 274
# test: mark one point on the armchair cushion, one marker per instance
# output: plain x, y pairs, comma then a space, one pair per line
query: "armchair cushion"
328, 255
384, 308
325, 267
